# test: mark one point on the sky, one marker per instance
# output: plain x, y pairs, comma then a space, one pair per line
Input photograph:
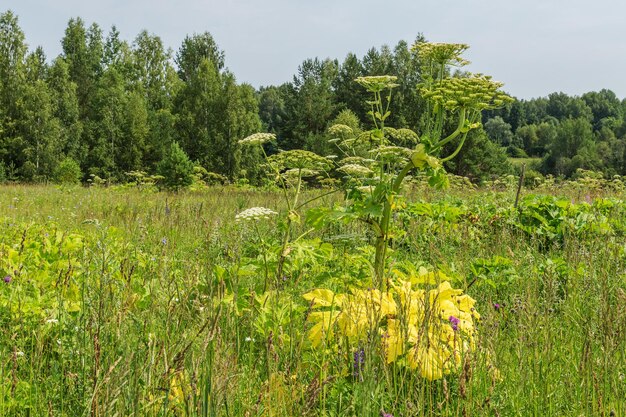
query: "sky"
535, 47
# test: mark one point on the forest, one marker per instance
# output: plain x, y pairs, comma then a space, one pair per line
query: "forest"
107, 110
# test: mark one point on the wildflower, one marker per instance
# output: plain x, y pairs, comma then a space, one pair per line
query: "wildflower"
299, 159
8, 279
383, 414
257, 139
454, 322
356, 170
164, 241
340, 130
359, 363
441, 53
377, 83
52, 321
497, 306
255, 213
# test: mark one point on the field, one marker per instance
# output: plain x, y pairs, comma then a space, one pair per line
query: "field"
130, 302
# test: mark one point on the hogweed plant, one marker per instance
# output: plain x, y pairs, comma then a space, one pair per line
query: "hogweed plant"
288, 169
377, 161
424, 324
428, 330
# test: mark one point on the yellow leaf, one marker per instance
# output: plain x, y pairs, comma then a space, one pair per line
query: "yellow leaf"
393, 342
464, 302
321, 297
323, 329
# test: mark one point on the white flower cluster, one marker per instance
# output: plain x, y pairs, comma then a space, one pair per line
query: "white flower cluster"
257, 139
255, 213
303, 173
356, 170
340, 130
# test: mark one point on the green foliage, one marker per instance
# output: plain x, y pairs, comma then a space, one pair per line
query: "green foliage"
176, 168
68, 172
84, 286
480, 159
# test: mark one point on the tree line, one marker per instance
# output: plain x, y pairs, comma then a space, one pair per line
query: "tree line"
108, 107
567, 133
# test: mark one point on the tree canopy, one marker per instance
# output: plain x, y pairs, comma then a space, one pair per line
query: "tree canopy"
113, 107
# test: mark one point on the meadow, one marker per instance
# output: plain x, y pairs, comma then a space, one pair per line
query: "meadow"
130, 302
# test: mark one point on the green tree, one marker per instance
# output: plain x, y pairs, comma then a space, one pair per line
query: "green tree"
36, 66
65, 108
176, 168
561, 106
573, 147
83, 51
406, 98
199, 114
241, 120
310, 103
12, 88
272, 108
158, 83
604, 105
345, 94
480, 159
193, 51
151, 64
499, 131
40, 129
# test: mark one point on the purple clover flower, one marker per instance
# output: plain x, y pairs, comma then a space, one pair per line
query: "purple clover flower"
383, 414
8, 279
454, 322
497, 306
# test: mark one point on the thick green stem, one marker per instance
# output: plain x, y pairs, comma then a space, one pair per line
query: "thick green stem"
264, 251
458, 149
382, 239
282, 181
456, 133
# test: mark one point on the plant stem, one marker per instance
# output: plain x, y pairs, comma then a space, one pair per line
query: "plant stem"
383, 237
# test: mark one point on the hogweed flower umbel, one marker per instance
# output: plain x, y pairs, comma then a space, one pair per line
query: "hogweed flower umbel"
377, 83
255, 213
257, 139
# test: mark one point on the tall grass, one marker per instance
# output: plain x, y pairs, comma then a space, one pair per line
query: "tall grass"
170, 318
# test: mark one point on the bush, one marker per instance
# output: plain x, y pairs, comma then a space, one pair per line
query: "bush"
68, 172
176, 168
28, 171
515, 152
532, 178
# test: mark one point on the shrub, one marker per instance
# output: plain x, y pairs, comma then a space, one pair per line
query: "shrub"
68, 172
28, 171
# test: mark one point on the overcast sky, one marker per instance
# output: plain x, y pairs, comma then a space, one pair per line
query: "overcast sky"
535, 46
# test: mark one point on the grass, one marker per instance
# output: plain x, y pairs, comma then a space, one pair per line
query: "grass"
155, 307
